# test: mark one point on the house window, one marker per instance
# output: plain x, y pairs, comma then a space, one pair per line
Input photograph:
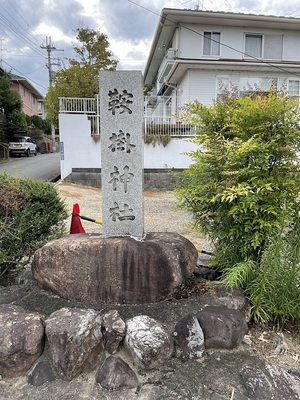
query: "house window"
211, 44
294, 87
253, 46
223, 86
257, 85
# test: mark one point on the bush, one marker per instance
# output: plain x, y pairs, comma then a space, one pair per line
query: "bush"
241, 187
242, 173
31, 213
273, 285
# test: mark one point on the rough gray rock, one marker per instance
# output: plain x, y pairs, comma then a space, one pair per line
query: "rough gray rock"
115, 270
12, 293
222, 327
40, 374
271, 383
188, 338
116, 374
147, 342
114, 329
220, 374
74, 337
21, 339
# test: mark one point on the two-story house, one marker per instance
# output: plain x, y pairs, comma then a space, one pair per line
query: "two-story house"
196, 54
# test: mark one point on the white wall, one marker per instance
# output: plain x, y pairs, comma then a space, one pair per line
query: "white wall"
232, 38
80, 150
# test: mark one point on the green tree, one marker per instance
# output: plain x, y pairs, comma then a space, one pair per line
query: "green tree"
40, 123
10, 100
243, 186
80, 79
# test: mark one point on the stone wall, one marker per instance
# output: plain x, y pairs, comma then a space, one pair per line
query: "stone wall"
154, 179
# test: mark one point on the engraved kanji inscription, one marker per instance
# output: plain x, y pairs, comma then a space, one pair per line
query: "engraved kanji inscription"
119, 101
120, 142
118, 180
125, 214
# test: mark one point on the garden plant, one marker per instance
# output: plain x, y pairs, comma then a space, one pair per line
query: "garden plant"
243, 191
31, 214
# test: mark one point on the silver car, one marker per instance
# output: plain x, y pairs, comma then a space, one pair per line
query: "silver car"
22, 145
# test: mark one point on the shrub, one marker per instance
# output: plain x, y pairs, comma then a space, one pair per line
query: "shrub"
243, 189
273, 285
31, 213
243, 172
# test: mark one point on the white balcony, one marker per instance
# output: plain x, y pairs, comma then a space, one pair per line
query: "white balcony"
158, 120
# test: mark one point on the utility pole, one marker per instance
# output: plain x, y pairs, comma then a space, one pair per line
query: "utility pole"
49, 47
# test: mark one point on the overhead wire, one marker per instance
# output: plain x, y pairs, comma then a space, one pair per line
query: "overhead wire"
220, 43
20, 35
13, 68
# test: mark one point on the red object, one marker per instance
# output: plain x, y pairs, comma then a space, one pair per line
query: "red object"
76, 226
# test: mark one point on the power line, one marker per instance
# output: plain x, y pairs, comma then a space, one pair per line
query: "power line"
220, 43
19, 72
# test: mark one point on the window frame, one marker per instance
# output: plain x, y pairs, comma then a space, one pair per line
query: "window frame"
247, 55
293, 95
212, 42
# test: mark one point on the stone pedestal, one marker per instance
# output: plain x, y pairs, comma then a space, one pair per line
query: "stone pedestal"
99, 269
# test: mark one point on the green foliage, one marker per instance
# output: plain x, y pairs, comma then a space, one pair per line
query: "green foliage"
10, 100
243, 191
81, 78
273, 285
18, 118
242, 173
31, 213
40, 124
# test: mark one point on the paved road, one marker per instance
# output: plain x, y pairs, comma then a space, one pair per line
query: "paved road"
43, 167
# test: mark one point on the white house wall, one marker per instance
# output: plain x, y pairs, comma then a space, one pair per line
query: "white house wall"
201, 84
278, 44
170, 156
80, 150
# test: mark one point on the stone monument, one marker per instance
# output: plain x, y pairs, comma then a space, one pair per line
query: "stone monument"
122, 151
124, 265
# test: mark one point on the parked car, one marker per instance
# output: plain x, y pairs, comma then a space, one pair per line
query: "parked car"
22, 145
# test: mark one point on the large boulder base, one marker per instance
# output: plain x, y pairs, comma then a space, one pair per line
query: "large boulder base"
100, 269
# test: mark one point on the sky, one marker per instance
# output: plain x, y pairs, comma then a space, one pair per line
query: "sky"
130, 25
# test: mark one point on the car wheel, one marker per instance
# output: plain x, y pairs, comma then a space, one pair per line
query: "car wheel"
28, 152
35, 153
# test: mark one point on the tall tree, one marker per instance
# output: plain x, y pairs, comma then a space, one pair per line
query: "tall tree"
80, 79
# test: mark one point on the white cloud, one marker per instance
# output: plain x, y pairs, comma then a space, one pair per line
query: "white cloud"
129, 25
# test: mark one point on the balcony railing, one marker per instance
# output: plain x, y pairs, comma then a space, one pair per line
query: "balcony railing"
154, 125
74, 105
160, 126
